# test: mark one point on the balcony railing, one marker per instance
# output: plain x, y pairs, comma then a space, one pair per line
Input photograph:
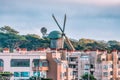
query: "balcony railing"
92, 69
43, 68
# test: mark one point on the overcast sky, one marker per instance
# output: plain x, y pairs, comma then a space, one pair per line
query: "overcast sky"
94, 19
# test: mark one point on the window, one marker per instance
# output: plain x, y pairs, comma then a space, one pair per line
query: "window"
71, 73
20, 63
36, 73
111, 66
1, 63
111, 72
84, 57
63, 74
44, 63
21, 74
40, 63
92, 72
118, 72
25, 74
118, 58
16, 74
36, 62
105, 67
85, 72
64, 66
72, 59
91, 66
118, 65
111, 78
87, 67
105, 74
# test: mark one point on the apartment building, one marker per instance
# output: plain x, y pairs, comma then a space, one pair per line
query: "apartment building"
73, 59
58, 65
101, 64
23, 63
46, 63
109, 66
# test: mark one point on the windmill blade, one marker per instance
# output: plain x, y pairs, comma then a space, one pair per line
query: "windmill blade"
57, 23
69, 43
64, 23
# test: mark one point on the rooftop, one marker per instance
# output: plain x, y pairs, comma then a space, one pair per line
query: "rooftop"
55, 35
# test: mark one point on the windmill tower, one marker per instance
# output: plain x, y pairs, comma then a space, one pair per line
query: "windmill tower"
56, 41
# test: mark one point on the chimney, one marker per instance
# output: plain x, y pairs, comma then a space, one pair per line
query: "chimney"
21, 50
6, 50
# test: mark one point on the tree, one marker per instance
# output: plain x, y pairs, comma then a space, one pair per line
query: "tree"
8, 29
34, 42
86, 76
113, 45
14, 41
38, 78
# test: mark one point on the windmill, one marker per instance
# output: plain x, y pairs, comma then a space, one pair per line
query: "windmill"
63, 32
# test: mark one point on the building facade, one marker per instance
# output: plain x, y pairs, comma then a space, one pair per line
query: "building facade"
24, 64
101, 64
45, 63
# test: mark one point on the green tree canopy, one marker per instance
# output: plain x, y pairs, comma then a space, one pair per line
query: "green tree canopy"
8, 29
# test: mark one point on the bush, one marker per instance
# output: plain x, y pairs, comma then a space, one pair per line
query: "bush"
46, 79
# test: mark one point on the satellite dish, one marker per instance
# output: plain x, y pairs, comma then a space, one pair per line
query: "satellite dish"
43, 31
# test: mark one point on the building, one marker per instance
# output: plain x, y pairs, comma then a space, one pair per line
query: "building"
46, 63
73, 58
23, 63
58, 66
101, 64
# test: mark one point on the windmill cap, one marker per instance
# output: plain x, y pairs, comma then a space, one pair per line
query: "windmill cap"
55, 35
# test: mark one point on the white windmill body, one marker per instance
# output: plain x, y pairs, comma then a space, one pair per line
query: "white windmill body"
56, 40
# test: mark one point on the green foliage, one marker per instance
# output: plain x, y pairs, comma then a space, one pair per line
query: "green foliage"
8, 29
46, 79
11, 39
34, 42
38, 78
5, 75
86, 76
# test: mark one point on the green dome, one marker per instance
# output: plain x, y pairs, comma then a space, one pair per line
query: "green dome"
55, 35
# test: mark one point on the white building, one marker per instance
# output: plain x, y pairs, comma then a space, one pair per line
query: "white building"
24, 64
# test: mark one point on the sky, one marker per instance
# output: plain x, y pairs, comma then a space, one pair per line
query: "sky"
93, 19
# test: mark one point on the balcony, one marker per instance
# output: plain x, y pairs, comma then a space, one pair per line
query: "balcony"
92, 69
72, 62
43, 68
74, 69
